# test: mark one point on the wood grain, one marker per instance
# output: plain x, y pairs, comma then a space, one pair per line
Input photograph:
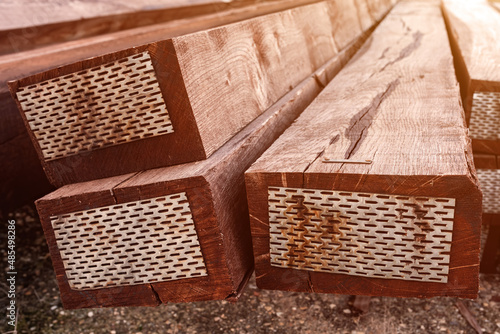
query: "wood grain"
262, 59
474, 31
475, 27
26, 25
495, 4
391, 106
216, 192
31, 62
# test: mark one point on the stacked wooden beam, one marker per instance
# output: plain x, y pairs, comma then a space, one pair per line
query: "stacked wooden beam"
474, 28
24, 179
27, 25
372, 190
490, 185
220, 97
96, 115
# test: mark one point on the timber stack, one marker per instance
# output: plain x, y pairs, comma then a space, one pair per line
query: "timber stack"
148, 144
372, 190
24, 179
474, 28
322, 143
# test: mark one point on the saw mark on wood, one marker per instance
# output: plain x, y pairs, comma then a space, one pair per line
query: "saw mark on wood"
363, 119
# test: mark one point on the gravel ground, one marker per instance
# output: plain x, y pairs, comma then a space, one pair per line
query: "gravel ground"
258, 311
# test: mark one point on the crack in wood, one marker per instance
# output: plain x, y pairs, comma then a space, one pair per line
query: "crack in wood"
332, 141
363, 120
408, 50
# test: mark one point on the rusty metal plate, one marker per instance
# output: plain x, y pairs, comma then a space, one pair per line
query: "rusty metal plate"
489, 179
139, 242
485, 116
99, 107
361, 234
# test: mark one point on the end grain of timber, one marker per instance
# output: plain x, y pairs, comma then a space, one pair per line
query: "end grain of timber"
406, 225
214, 203
178, 100
13, 134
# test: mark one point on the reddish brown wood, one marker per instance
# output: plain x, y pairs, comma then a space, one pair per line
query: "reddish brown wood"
96, 164
366, 115
12, 129
216, 192
491, 258
486, 146
198, 96
486, 161
23, 178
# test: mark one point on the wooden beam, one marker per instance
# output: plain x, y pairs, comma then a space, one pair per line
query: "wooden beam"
216, 200
474, 29
13, 133
29, 63
489, 178
186, 96
487, 161
495, 4
490, 257
372, 190
26, 25
376, 8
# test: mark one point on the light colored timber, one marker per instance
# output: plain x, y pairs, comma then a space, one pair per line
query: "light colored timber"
255, 62
495, 4
27, 13
212, 83
26, 25
400, 115
474, 28
215, 193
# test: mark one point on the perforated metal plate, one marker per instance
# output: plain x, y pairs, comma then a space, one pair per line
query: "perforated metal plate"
489, 179
133, 243
372, 235
102, 106
485, 116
